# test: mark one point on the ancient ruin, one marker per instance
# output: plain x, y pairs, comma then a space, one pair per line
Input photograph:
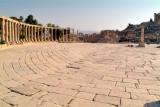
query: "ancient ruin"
12, 31
131, 34
142, 43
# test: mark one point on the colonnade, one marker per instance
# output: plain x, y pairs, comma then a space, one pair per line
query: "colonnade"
14, 31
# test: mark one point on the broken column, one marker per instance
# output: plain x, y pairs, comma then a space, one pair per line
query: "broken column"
141, 43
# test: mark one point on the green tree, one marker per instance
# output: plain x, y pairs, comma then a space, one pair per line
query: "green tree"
50, 25
21, 18
30, 20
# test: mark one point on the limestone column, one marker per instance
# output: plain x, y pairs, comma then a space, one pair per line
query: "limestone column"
51, 34
29, 33
3, 29
23, 33
44, 34
61, 36
26, 33
32, 33
40, 29
18, 32
64, 35
6, 34
142, 44
55, 34
47, 34
35, 39
15, 31
38, 34
10, 32
13, 36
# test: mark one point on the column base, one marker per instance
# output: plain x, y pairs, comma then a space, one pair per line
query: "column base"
141, 45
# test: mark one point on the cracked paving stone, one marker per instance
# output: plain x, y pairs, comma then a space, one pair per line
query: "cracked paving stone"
28, 91
14, 98
87, 103
3, 104
57, 99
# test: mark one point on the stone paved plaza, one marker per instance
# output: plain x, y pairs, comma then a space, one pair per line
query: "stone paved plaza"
79, 75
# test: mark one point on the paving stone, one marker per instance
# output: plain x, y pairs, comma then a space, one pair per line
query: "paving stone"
107, 99
130, 80
122, 84
84, 95
14, 98
146, 97
11, 83
120, 94
150, 87
3, 104
28, 91
110, 83
49, 104
58, 99
87, 103
59, 90
149, 82
29, 103
68, 85
154, 92
112, 78
137, 90
3, 90
95, 90
132, 103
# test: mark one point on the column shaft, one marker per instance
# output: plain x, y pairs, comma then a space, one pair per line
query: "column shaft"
10, 32
6, 34
3, 29
13, 38
29, 33
35, 34
18, 32
15, 33
26, 37
32, 33
38, 34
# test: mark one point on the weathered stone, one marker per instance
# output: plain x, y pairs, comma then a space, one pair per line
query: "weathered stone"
87, 103
84, 95
95, 90
58, 99
107, 99
28, 91
120, 94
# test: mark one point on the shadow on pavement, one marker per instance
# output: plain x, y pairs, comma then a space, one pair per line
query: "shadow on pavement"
153, 104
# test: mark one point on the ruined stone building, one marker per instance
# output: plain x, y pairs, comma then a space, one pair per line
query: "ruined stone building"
157, 18
151, 28
109, 36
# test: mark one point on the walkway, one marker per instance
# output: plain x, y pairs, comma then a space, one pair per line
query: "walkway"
79, 75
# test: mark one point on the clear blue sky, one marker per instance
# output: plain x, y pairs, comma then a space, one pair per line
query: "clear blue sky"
89, 15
